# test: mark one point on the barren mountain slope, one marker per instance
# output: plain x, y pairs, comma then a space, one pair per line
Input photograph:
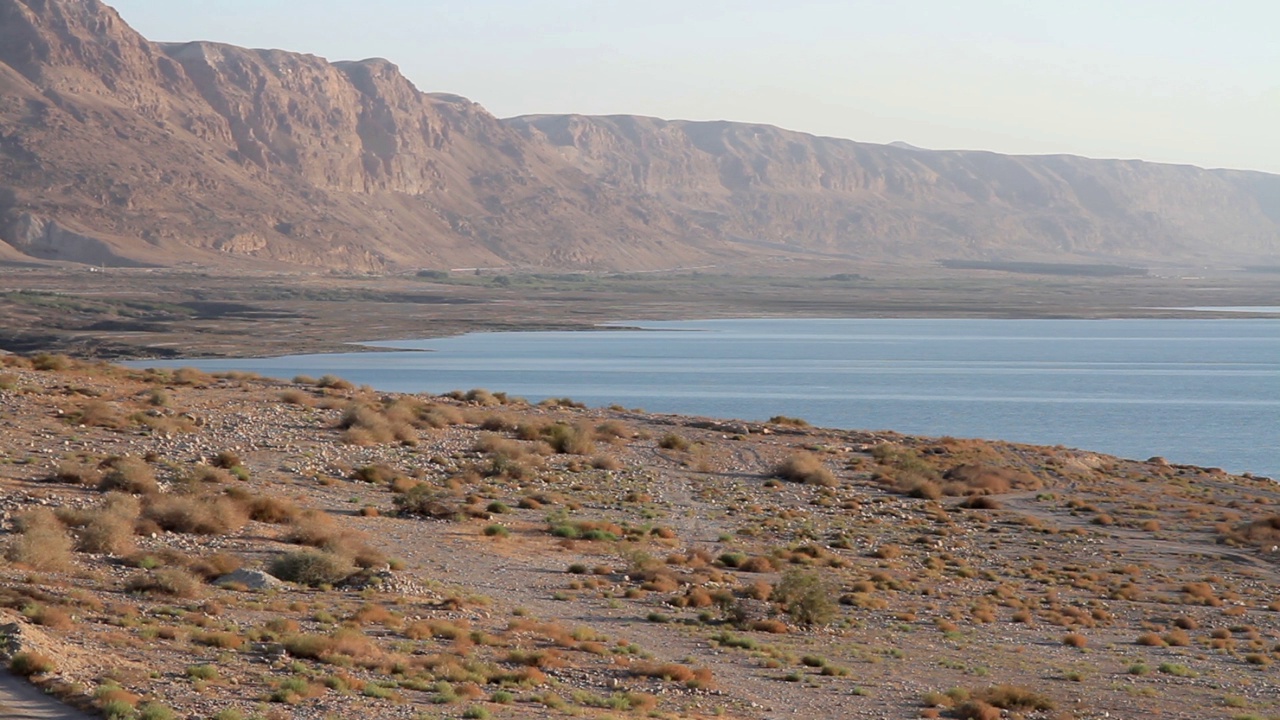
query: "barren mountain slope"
773, 185
118, 150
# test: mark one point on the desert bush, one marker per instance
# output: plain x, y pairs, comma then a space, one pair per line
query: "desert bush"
267, 508
427, 501
209, 474
27, 664
215, 565
333, 382
806, 597
606, 462
128, 474
377, 474
790, 421
51, 363
976, 479
77, 473
311, 567
50, 616
190, 376
295, 396
615, 430
155, 711
173, 581
110, 527
97, 413
196, 514
571, 439
41, 541
1264, 532
672, 441
805, 468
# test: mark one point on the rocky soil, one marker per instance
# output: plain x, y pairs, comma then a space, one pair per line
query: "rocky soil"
475, 556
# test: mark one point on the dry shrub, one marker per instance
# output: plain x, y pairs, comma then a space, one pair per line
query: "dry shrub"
770, 625
110, 528
211, 567
1150, 639
606, 462
311, 567
219, 639
757, 564
332, 382
320, 530
370, 613
173, 581
1263, 533
571, 439
803, 467
376, 474
294, 396
49, 616
1075, 640
266, 508
343, 646
313, 527
41, 541
27, 664
673, 672
672, 441
198, 514
209, 474
77, 473
97, 413
614, 430
190, 376
441, 416
1013, 697
128, 474
973, 479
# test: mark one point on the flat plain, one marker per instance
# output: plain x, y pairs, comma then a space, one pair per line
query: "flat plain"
175, 313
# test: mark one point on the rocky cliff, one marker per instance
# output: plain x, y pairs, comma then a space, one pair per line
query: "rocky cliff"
117, 150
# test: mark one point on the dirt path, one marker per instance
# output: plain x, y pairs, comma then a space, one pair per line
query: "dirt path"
20, 700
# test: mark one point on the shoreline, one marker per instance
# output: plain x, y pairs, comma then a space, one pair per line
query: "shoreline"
1071, 418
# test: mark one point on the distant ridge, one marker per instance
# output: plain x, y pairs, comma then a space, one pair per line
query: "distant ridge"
115, 150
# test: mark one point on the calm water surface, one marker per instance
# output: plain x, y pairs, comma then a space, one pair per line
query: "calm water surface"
1196, 391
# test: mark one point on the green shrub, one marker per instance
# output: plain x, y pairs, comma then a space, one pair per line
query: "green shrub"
806, 597
155, 711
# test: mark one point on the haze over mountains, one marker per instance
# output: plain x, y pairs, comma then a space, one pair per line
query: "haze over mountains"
121, 151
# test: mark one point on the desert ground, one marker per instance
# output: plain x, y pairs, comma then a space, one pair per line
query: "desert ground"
184, 545
118, 313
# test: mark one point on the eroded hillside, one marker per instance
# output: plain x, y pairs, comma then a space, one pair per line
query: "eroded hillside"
115, 150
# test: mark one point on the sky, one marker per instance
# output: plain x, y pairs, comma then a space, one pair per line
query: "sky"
1180, 81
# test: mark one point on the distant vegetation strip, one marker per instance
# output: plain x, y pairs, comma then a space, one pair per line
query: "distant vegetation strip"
1045, 268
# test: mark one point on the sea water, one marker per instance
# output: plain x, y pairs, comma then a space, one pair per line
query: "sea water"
1194, 391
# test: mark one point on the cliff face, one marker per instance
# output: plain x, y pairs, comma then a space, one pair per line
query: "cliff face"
786, 187
117, 150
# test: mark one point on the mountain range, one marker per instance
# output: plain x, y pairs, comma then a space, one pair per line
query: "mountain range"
116, 150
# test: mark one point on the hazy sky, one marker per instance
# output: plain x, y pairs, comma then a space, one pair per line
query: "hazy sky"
1186, 81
